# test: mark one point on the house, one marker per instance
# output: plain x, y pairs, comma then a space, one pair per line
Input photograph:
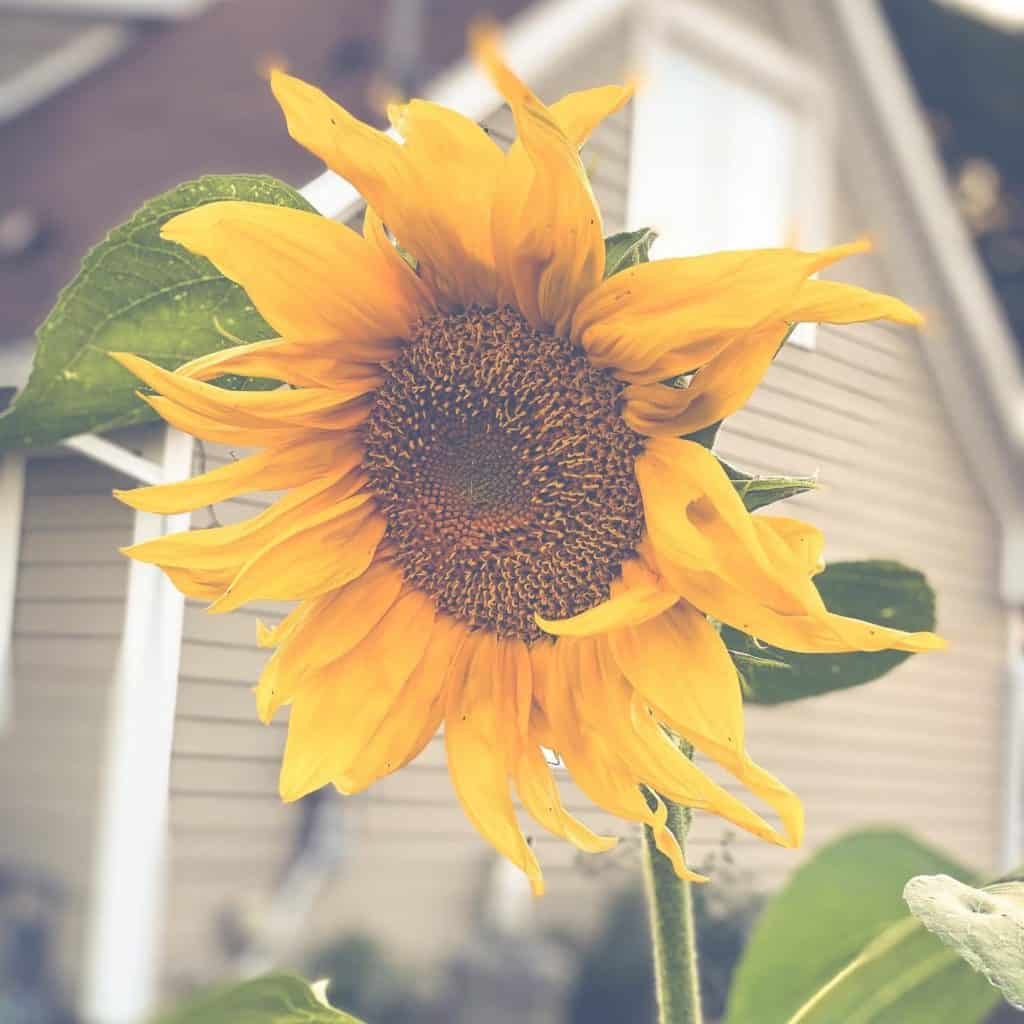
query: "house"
132, 766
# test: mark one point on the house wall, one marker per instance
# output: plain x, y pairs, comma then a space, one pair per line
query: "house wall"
70, 606
921, 748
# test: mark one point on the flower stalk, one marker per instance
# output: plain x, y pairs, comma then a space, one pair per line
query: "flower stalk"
673, 935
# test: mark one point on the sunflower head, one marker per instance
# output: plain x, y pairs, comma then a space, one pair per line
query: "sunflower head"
491, 519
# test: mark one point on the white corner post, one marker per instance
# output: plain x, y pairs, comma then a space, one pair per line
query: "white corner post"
123, 931
12, 499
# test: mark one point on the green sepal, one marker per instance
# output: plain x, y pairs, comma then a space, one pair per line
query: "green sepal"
627, 249
758, 491
280, 998
886, 593
137, 292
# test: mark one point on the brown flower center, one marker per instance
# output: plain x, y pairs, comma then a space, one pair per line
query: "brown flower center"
501, 461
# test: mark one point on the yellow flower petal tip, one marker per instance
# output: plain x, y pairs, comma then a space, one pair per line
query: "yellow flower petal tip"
270, 64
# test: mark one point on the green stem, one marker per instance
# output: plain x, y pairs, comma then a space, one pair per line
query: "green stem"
670, 907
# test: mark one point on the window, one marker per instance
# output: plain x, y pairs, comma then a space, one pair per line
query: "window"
730, 139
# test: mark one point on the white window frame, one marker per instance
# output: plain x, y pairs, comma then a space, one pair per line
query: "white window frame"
741, 51
12, 503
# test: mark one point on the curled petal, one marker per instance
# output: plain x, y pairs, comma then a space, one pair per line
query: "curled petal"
709, 549
659, 319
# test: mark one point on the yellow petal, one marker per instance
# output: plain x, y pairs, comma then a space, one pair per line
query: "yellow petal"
228, 547
320, 554
804, 541
331, 720
474, 741
452, 167
347, 414
594, 763
270, 470
579, 113
718, 390
699, 697
658, 319
628, 721
330, 626
550, 249
309, 276
836, 303
306, 364
416, 713
639, 595
312, 408
433, 192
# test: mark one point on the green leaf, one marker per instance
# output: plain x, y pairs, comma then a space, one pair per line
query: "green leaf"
984, 926
627, 249
273, 999
758, 491
137, 293
838, 938
886, 593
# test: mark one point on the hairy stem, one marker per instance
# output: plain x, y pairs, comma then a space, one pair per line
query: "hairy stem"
670, 909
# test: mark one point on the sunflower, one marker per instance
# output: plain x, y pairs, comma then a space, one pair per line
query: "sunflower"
491, 521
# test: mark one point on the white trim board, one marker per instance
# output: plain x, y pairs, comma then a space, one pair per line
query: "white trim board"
12, 503
129, 884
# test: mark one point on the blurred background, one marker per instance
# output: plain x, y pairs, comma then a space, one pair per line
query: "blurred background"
144, 852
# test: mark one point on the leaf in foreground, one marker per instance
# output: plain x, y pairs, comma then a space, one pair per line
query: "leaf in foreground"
273, 999
984, 926
836, 945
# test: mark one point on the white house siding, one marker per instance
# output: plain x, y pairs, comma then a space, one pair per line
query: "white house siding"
920, 749
70, 605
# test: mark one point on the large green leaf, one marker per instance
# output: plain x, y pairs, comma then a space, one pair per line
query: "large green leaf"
627, 249
885, 593
273, 999
138, 293
985, 926
845, 902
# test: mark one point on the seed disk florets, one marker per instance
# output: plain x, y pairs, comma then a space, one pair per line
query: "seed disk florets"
501, 462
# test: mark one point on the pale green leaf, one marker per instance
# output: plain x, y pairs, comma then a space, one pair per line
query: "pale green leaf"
136, 293
627, 249
836, 945
273, 999
886, 593
984, 926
